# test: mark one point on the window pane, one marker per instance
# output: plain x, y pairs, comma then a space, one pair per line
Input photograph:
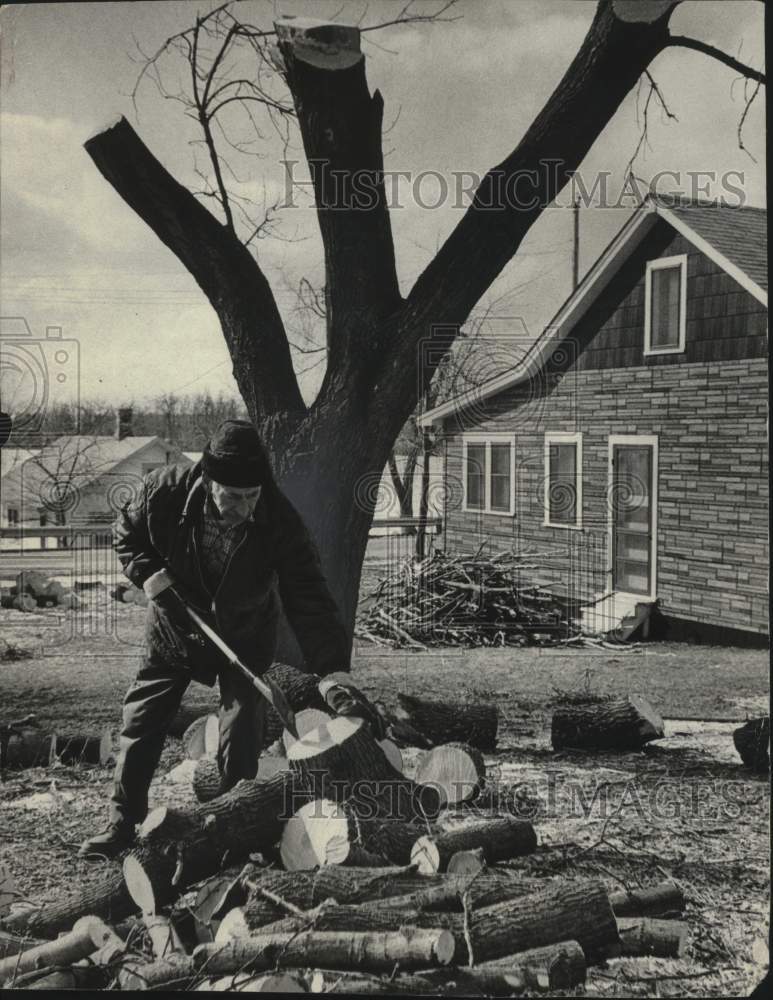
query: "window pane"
562, 488
500, 493
476, 466
664, 307
500, 459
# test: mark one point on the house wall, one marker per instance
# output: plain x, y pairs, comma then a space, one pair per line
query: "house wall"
708, 408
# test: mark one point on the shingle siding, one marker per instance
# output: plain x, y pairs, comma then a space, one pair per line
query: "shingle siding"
708, 408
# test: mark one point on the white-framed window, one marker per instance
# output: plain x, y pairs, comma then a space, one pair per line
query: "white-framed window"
563, 480
488, 473
12, 516
665, 305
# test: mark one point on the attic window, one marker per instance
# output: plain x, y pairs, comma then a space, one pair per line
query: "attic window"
665, 305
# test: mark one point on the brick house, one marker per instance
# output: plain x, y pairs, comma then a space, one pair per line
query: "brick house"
627, 448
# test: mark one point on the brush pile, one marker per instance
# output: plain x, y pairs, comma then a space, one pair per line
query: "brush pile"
464, 600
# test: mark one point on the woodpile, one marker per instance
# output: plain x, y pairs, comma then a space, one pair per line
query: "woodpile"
621, 724
464, 600
352, 880
35, 589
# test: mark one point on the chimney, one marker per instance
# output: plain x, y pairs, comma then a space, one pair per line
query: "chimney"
123, 423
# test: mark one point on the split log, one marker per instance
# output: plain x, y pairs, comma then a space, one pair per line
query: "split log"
615, 724
340, 760
392, 754
323, 832
201, 737
374, 951
88, 935
467, 862
499, 839
392, 886
457, 770
643, 936
85, 749
444, 722
666, 897
752, 741
300, 690
305, 721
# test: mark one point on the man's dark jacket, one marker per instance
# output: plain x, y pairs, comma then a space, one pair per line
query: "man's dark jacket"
160, 529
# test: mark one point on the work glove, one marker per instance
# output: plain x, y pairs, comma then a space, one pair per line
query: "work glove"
346, 699
162, 589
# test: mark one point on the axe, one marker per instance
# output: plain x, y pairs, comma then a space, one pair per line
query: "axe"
265, 686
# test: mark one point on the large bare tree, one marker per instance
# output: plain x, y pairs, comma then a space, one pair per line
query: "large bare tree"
383, 348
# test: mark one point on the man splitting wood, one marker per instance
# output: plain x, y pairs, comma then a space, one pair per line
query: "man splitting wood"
218, 537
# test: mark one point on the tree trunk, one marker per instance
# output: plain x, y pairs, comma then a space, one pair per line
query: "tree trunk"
457, 770
446, 722
370, 951
752, 741
500, 840
622, 724
421, 531
28, 747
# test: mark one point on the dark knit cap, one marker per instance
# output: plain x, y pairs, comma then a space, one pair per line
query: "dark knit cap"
236, 455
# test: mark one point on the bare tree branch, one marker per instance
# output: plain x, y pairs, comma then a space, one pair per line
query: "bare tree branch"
697, 45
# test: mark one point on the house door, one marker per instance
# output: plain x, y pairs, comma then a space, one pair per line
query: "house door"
632, 515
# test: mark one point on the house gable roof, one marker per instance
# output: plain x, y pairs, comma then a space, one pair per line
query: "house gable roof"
735, 238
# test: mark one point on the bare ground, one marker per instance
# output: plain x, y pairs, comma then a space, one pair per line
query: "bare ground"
685, 808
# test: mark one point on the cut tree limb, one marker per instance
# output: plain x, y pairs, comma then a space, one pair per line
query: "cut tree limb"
499, 840
88, 935
371, 951
644, 936
666, 897
614, 724
448, 722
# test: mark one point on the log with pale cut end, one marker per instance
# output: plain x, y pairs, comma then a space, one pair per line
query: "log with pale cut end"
301, 691
752, 741
88, 935
457, 770
448, 722
323, 832
559, 966
246, 819
500, 839
85, 749
201, 737
340, 760
577, 911
645, 936
622, 724
186, 716
412, 947
665, 897
305, 720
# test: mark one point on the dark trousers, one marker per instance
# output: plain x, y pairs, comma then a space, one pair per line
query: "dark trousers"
150, 706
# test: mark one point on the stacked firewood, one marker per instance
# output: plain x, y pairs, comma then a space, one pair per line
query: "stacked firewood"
336, 873
464, 600
35, 589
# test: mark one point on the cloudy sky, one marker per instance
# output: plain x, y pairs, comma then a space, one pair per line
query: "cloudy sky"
458, 97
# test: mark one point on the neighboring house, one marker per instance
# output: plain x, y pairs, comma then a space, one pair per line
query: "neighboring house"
629, 448
81, 479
